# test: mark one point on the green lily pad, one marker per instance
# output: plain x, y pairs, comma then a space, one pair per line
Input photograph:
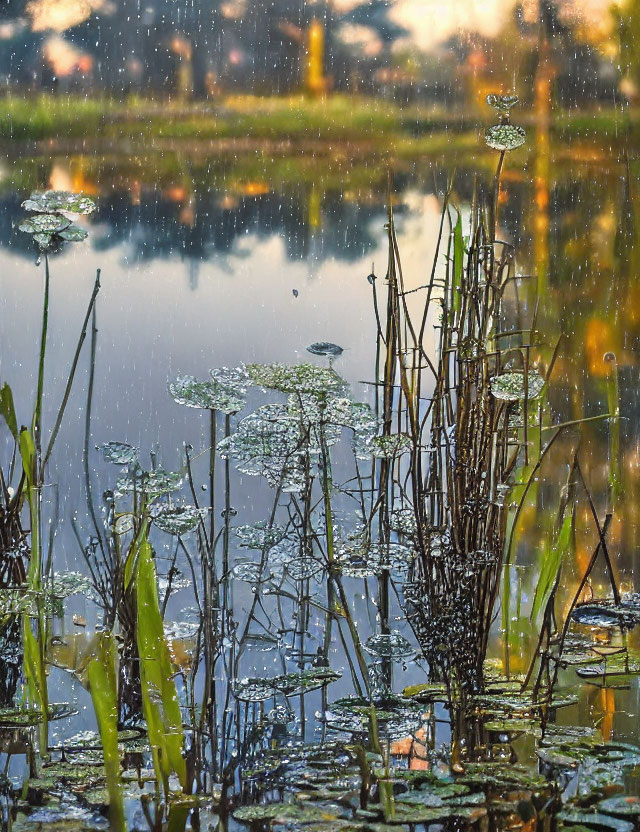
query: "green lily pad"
43, 241
44, 224
289, 684
50, 201
595, 820
152, 483
178, 520
74, 234
505, 137
502, 103
120, 453
410, 813
622, 805
285, 812
510, 387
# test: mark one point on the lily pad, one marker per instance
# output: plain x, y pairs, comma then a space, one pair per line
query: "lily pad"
595, 820
120, 453
178, 520
44, 224
23, 717
505, 137
259, 536
325, 348
152, 483
247, 570
286, 812
50, 201
414, 814
298, 378
288, 684
224, 393
43, 241
623, 805
391, 645
605, 615
392, 445
510, 387
74, 234
396, 716
502, 103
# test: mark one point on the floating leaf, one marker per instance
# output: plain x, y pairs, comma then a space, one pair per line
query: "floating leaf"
502, 103
43, 241
392, 445
120, 453
595, 820
74, 234
391, 645
359, 560
297, 378
605, 614
50, 201
325, 348
396, 716
285, 813
510, 387
225, 392
44, 224
259, 536
152, 483
247, 570
623, 805
178, 520
289, 684
24, 716
505, 137
615, 666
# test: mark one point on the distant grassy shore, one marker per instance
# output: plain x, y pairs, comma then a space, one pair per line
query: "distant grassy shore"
292, 119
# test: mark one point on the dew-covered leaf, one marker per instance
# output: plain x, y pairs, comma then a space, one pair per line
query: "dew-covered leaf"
120, 453
74, 234
152, 483
225, 392
44, 224
502, 103
510, 387
297, 378
391, 645
178, 520
49, 201
505, 137
392, 445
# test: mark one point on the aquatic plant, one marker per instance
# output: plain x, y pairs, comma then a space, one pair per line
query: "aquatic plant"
50, 229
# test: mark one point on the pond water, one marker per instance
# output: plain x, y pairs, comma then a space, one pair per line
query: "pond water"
205, 264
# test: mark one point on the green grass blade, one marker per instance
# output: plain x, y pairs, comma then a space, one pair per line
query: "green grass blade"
103, 686
553, 558
159, 698
458, 265
28, 454
8, 411
35, 677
